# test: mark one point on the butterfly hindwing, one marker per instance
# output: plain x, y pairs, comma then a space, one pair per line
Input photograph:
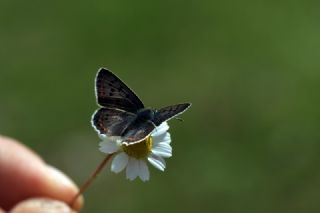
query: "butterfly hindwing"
112, 122
137, 131
113, 93
169, 112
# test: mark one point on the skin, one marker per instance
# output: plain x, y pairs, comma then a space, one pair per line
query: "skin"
29, 185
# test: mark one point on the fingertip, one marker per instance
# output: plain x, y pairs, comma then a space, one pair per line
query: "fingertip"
24, 175
20, 168
62, 187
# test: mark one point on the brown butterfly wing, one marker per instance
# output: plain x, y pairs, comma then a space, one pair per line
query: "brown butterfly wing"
111, 92
111, 121
169, 112
137, 131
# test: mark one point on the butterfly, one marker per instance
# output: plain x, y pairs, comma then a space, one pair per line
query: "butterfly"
123, 114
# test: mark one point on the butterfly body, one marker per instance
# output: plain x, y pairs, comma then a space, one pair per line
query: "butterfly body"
123, 114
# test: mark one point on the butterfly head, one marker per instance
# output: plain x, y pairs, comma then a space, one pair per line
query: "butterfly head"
146, 114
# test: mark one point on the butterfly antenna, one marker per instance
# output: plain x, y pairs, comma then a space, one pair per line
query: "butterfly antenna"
179, 119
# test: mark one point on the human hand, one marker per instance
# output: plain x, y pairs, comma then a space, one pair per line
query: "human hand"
29, 185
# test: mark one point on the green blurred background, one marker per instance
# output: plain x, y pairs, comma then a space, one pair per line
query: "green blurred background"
250, 142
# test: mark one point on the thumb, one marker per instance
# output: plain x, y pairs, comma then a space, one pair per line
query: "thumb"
41, 205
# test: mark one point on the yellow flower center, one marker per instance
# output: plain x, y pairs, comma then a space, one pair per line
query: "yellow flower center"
139, 150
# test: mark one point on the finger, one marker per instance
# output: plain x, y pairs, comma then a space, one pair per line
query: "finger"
23, 174
2, 211
41, 205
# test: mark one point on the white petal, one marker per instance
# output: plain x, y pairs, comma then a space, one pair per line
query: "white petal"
160, 129
157, 161
108, 146
119, 162
143, 171
162, 149
132, 170
161, 138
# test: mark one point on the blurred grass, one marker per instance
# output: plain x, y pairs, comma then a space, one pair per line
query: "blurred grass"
250, 142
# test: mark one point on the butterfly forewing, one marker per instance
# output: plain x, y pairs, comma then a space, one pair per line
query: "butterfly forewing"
113, 93
169, 112
112, 122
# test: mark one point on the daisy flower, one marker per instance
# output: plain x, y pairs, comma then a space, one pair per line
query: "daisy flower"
134, 157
